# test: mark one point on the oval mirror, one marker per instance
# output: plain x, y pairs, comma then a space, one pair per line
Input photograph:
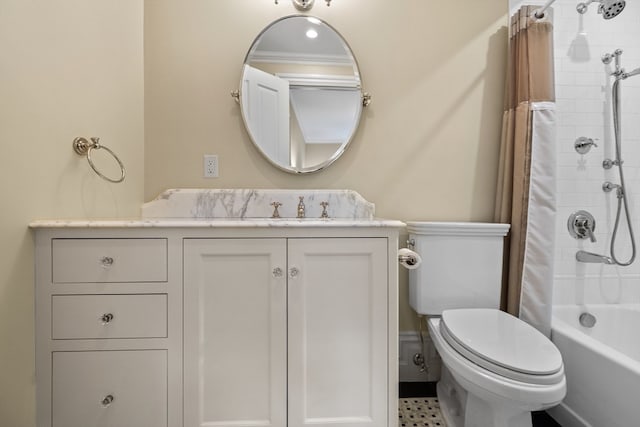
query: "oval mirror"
300, 94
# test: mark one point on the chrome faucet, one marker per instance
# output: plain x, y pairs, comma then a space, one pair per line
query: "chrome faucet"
301, 213
584, 256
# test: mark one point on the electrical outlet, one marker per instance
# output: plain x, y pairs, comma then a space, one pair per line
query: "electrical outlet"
210, 166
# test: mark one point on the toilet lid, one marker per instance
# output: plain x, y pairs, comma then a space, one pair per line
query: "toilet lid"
500, 343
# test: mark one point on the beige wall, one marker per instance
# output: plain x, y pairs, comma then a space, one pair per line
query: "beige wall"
427, 148
68, 68
428, 145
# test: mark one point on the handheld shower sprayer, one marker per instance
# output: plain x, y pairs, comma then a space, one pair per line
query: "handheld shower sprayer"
630, 73
607, 8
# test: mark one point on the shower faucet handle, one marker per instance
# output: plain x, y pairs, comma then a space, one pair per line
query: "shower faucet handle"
584, 144
584, 228
589, 232
581, 225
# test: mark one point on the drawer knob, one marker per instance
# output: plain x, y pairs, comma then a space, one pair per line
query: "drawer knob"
293, 272
106, 318
106, 261
277, 272
107, 400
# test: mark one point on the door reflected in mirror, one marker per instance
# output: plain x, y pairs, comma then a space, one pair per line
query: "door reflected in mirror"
301, 94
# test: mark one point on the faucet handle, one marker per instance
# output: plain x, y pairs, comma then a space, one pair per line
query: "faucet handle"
275, 205
301, 209
324, 210
589, 231
584, 228
583, 144
581, 225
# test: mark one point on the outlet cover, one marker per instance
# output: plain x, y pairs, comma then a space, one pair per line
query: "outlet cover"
210, 166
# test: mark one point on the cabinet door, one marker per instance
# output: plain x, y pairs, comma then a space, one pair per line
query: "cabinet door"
235, 332
338, 332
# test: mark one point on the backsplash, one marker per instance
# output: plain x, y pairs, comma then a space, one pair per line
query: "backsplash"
257, 203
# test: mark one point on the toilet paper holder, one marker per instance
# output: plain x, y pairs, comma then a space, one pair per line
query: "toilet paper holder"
408, 258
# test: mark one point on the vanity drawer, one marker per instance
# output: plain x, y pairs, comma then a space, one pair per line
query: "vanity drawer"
109, 388
108, 316
109, 260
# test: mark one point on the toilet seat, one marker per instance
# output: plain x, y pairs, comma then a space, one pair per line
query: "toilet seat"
502, 395
502, 344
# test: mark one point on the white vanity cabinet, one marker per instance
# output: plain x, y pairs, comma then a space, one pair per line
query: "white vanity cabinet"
229, 323
286, 332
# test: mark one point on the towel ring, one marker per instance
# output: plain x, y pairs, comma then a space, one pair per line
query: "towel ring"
83, 147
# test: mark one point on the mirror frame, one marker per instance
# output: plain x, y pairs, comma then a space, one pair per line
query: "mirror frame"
365, 100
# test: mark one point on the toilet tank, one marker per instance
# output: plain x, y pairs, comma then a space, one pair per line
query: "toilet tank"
461, 265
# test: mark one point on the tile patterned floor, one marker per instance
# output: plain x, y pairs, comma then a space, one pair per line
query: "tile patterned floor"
420, 412
424, 411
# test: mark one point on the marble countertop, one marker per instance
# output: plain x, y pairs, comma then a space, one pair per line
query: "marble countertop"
214, 223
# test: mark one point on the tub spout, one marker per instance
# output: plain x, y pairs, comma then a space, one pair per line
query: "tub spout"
584, 256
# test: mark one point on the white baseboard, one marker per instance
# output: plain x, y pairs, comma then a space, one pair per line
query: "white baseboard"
409, 345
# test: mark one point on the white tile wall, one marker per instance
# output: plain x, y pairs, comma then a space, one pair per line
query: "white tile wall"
583, 91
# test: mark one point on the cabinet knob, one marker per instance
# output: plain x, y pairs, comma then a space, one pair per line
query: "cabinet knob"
277, 272
106, 318
107, 400
293, 272
106, 261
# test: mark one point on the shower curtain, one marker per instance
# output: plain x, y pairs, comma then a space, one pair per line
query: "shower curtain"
526, 182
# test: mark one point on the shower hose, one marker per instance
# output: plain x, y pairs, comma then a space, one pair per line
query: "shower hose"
621, 191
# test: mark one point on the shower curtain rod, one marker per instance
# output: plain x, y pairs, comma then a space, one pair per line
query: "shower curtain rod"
539, 13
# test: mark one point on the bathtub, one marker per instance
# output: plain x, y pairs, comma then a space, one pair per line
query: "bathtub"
602, 365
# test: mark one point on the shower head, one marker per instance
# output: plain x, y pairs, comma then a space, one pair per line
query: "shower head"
607, 8
611, 8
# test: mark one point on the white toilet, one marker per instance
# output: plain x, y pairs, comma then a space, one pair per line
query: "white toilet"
496, 368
